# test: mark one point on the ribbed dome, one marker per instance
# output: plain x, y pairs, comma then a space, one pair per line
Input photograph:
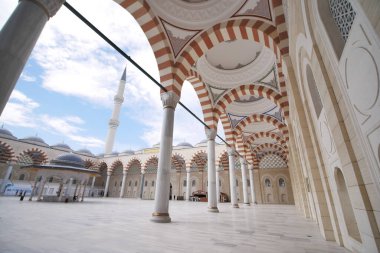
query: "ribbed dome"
184, 144
85, 152
128, 152
68, 160
35, 140
6, 134
62, 146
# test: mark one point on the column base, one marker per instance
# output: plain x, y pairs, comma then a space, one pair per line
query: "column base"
235, 206
161, 217
213, 210
247, 204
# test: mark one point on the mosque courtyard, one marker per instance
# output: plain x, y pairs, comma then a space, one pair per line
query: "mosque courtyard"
123, 225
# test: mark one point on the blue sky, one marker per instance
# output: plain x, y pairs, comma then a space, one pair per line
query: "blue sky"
65, 93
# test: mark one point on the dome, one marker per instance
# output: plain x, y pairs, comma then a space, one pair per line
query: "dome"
62, 146
157, 145
128, 152
84, 151
100, 155
68, 160
202, 143
35, 140
185, 145
6, 134
115, 153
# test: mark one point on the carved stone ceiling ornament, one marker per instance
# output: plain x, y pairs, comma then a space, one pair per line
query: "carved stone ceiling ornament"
253, 72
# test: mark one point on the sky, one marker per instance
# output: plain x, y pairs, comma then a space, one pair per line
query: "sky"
65, 92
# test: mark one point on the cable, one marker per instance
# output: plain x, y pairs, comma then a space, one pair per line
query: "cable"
126, 56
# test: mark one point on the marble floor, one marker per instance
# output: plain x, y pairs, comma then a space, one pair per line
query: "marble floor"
123, 225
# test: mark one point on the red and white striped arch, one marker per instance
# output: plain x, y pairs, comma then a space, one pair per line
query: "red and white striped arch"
155, 34
255, 136
262, 118
271, 146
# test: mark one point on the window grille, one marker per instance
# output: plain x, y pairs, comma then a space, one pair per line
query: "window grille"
343, 15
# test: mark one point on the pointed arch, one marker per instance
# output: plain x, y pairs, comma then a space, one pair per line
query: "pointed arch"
6, 152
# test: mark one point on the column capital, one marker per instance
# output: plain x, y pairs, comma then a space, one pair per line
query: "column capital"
50, 7
125, 172
143, 172
169, 99
210, 134
250, 166
243, 161
231, 151
109, 172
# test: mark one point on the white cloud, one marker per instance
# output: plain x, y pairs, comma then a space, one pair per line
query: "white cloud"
28, 78
19, 110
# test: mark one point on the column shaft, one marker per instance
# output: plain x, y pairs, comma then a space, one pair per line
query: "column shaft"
211, 171
123, 184
142, 184
107, 184
92, 186
161, 200
252, 183
231, 160
17, 40
33, 189
188, 184
41, 188
217, 186
244, 179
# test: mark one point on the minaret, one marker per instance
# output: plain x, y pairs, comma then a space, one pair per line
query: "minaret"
114, 121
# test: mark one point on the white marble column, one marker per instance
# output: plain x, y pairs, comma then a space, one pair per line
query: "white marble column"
211, 171
142, 183
68, 189
92, 186
84, 184
188, 182
17, 39
41, 188
161, 200
6, 178
33, 189
123, 183
253, 196
243, 163
217, 184
231, 160
109, 173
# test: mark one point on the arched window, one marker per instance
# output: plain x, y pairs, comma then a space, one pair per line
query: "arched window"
237, 182
281, 182
21, 177
74, 181
193, 183
51, 179
248, 183
146, 183
152, 183
130, 183
136, 183
220, 182
115, 183
120, 183
268, 182
184, 183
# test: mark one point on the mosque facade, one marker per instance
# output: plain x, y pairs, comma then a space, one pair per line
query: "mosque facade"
295, 85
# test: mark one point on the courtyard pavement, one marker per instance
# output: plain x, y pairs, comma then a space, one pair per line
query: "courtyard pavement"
123, 225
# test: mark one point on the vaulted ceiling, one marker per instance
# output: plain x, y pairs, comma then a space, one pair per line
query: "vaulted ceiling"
231, 52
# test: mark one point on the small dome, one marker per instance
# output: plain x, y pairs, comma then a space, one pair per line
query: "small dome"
185, 145
157, 145
35, 140
62, 146
115, 153
128, 152
68, 160
6, 134
203, 143
100, 155
84, 151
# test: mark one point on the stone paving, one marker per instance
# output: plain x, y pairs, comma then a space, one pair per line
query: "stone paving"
123, 225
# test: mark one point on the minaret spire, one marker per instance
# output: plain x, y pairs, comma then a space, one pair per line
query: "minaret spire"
114, 121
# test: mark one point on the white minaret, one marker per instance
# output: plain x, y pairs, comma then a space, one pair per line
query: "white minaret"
114, 121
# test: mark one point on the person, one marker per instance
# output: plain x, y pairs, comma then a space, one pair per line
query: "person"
22, 195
